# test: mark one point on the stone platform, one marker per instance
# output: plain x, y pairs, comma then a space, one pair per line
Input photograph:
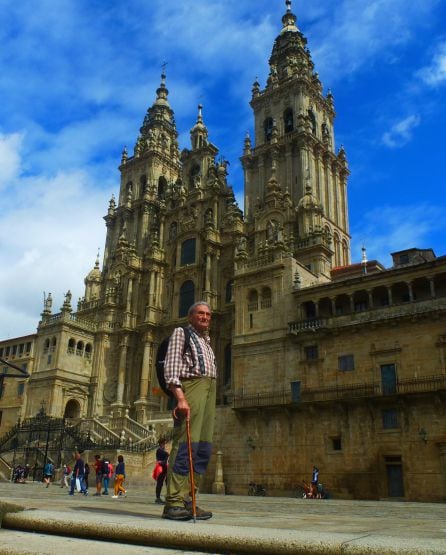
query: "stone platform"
39, 520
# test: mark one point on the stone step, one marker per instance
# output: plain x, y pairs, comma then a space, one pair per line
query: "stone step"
19, 542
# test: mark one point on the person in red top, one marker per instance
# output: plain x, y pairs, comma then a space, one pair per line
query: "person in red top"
98, 469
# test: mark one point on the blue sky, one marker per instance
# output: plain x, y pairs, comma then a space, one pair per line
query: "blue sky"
77, 76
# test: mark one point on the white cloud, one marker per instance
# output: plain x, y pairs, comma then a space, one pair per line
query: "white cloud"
48, 242
401, 132
10, 146
359, 33
387, 229
435, 73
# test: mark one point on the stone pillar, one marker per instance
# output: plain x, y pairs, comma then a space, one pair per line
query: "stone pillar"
145, 369
122, 371
432, 287
389, 293
409, 287
219, 486
442, 447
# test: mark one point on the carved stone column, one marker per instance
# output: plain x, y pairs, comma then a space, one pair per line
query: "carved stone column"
219, 486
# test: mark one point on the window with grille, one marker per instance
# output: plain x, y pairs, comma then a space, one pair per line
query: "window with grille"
188, 252
311, 352
346, 363
390, 419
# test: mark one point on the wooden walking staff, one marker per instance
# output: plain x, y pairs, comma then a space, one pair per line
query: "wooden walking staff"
191, 471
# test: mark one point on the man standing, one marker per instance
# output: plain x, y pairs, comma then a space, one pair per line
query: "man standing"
191, 377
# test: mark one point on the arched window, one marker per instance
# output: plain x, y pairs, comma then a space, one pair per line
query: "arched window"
188, 248
162, 187
46, 346
253, 300
88, 349
268, 128
288, 120
53, 344
187, 297
71, 346
266, 299
229, 291
227, 374
312, 120
80, 348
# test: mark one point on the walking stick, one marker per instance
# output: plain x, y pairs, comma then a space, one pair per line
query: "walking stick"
191, 471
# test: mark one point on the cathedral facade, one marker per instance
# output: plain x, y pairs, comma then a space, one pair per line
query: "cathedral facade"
320, 361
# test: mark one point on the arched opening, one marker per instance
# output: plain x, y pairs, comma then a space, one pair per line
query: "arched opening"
266, 298
162, 187
188, 252
253, 300
360, 301
312, 121
72, 409
80, 348
187, 297
71, 346
288, 120
229, 291
194, 177
268, 128
88, 350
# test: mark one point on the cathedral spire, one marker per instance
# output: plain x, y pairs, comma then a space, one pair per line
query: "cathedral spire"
199, 132
289, 20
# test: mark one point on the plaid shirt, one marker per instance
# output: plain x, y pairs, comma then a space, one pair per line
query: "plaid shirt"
178, 366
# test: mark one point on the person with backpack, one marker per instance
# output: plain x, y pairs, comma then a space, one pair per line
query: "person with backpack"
106, 470
190, 375
48, 470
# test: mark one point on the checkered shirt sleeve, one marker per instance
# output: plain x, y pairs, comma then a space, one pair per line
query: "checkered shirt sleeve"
177, 367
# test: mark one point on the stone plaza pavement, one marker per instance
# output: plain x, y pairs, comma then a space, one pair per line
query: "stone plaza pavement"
43, 520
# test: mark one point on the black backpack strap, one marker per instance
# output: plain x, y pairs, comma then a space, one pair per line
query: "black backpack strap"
195, 341
187, 345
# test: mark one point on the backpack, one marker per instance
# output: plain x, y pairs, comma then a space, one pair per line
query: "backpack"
161, 357
105, 468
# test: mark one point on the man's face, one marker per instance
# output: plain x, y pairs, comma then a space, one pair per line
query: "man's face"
200, 318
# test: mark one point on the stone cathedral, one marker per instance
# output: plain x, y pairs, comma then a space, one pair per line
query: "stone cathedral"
316, 365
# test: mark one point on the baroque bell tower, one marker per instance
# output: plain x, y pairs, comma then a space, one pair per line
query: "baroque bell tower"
295, 181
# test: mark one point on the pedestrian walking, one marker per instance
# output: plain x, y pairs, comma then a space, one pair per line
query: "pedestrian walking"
98, 470
160, 471
48, 471
77, 477
106, 472
119, 477
66, 475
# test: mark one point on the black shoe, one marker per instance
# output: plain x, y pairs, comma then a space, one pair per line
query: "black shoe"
159, 501
176, 513
201, 514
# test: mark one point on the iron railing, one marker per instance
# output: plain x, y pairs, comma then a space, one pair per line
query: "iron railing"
284, 397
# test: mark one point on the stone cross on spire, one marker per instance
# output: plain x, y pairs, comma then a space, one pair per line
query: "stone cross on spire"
288, 5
